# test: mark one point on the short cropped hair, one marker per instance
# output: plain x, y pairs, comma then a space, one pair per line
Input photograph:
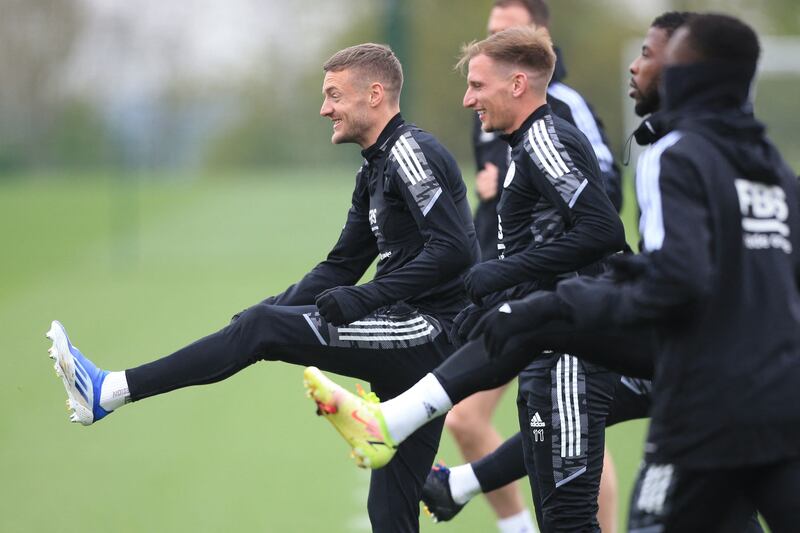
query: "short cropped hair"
523, 47
537, 9
671, 21
376, 62
717, 37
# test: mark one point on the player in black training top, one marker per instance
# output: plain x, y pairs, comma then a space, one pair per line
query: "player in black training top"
470, 422
718, 280
491, 152
409, 209
555, 220
447, 490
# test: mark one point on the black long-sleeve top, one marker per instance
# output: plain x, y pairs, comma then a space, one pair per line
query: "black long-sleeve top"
568, 104
554, 217
410, 209
717, 278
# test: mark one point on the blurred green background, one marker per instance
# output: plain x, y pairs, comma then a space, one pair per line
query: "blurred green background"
246, 454
163, 166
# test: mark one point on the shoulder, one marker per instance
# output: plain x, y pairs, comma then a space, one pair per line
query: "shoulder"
674, 146
549, 141
416, 155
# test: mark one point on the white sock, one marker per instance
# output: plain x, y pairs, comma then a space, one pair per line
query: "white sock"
522, 522
463, 483
114, 391
406, 413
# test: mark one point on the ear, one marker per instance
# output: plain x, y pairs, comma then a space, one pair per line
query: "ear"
519, 84
376, 94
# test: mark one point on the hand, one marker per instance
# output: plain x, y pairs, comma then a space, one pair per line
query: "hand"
464, 322
340, 306
478, 281
486, 182
503, 323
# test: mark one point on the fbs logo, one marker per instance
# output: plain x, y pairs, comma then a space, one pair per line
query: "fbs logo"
536, 421
764, 216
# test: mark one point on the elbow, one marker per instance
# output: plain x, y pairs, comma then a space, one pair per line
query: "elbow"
456, 259
616, 236
609, 237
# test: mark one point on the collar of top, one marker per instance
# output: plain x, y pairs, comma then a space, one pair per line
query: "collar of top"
380, 145
517, 136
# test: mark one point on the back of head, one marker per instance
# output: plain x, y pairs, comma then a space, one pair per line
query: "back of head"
537, 9
525, 48
373, 62
671, 21
716, 37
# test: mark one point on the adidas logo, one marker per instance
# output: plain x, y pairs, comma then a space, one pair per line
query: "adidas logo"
536, 421
429, 409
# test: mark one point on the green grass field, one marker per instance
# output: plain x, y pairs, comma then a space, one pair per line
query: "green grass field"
135, 271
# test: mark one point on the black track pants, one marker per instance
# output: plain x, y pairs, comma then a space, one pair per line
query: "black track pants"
391, 349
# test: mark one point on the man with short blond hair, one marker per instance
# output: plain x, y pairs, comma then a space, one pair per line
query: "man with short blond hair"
409, 209
470, 422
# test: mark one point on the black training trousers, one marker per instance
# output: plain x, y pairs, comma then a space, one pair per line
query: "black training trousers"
562, 418
507, 463
392, 349
669, 499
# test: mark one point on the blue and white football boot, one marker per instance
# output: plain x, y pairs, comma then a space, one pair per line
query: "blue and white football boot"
81, 378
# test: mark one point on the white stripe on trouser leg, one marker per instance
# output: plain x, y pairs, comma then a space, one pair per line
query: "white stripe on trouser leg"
568, 408
576, 406
561, 410
373, 322
417, 335
314, 328
405, 329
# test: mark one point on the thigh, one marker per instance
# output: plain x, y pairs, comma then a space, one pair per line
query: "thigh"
668, 499
391, 350
396, 489
562, 413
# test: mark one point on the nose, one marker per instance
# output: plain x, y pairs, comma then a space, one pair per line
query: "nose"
469, 99
634, 66
326, 108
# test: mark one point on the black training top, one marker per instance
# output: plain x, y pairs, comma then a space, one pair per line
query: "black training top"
410, 209
567, 103
721, 238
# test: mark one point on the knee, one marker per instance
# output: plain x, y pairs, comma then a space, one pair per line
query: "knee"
255, 328
466, 425
255, 315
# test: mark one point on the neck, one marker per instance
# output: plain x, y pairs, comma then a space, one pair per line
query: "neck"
523, 110
379, 123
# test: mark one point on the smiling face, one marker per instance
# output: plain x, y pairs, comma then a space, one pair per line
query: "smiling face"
646, 71
346, 102
489, 93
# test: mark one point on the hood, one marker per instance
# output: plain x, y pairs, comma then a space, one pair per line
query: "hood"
712, 99
652, 129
